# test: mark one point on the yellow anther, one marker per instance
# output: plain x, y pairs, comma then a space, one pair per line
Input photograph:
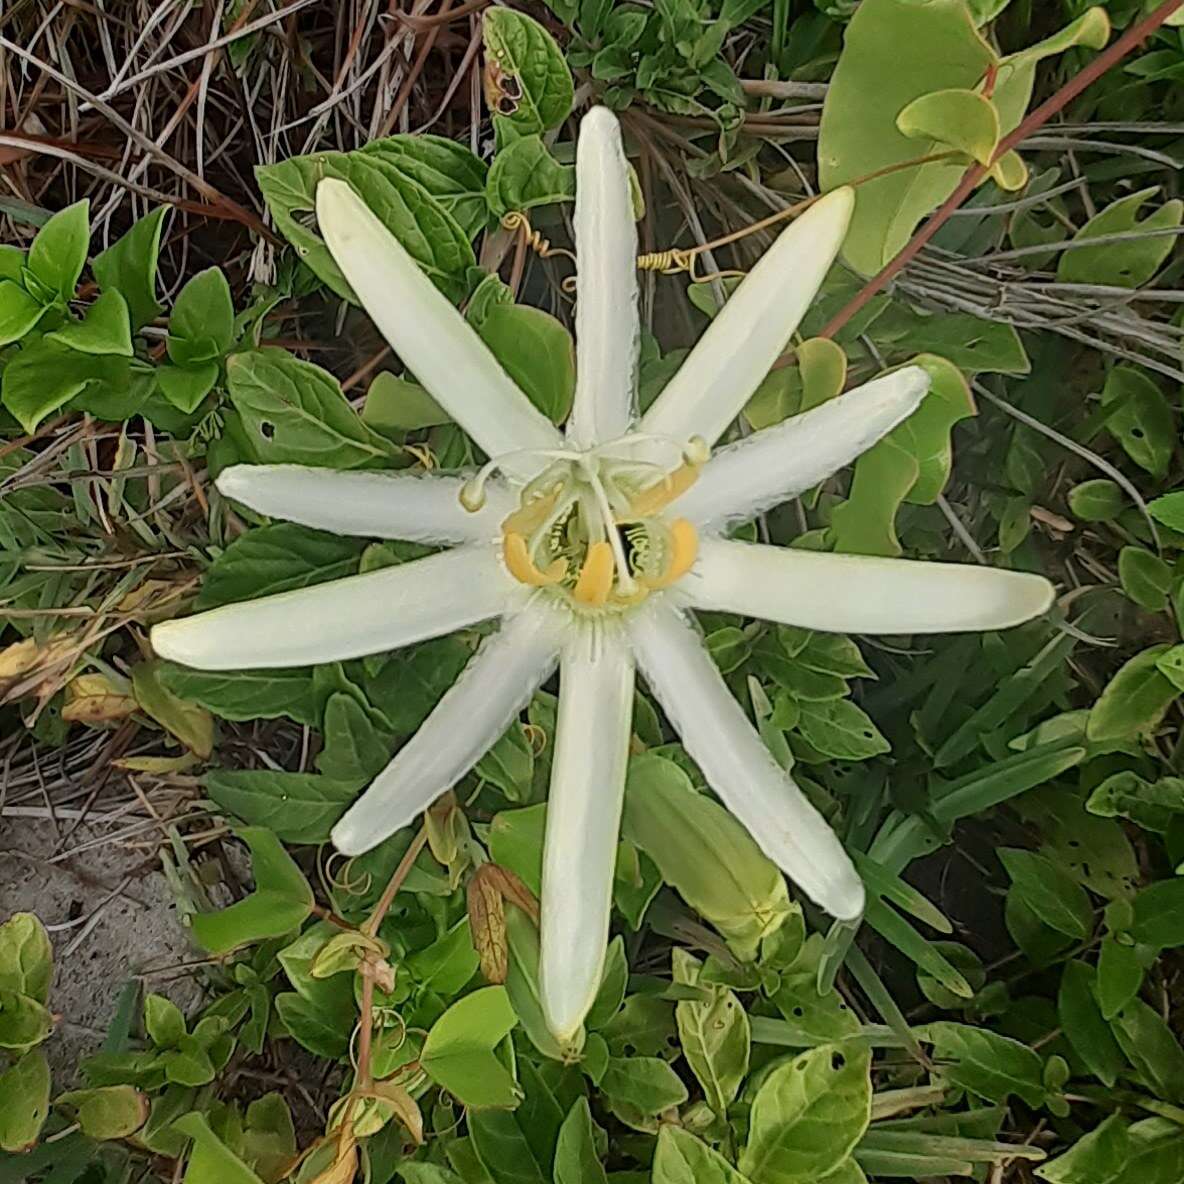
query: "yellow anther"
596, 576
522, 566
528, 518
684, 550
658, 496
472, 496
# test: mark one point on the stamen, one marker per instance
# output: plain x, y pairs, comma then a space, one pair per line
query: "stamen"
522, 566
654, 499
682, 552
531, 515
596, 576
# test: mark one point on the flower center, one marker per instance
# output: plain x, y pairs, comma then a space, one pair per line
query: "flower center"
592, 527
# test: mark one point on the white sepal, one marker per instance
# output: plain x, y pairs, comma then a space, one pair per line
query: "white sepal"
496, 684
607, 325
424, 508
735, 354
748, 477
860, 593
583, 820
435, 342
346, 618
737, 764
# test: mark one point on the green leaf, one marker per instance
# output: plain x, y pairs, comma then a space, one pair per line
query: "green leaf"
246, 694
1151, 1046
841, 730
24, 1022
576, 1161
357, 744
647, 1084
1169, 510
1142, 419
704, 853
201, 327
163, 1021
525, 174
504, 1149
1120, 975
1159, 914
185, 386
19, 312
1127, 795
537, 352
1144, 1153
1098, 500
43, 376
1146, 579
1084, 1025
1051, 893
105, 329
298, 807
529, 65
458, 1052
282, 899
987, 1064
26, 957
961, 119
128, 267
24, 1101
715, 1037
190, 724
808, 1115
58, 253
397, 405
111, 1112
422, 193
1134, 701
210, 1160
295, 412
275, 559
680, 1158
509, 764
1129, 264
912, 463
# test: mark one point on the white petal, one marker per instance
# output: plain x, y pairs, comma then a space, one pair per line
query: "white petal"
347, 618
746, 478
424, 508
468, 720
439, 347
860, 593
738, 766
583, 821
733, 357
607, 323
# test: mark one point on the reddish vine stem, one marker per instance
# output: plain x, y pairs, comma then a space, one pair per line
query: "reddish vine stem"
1035, 119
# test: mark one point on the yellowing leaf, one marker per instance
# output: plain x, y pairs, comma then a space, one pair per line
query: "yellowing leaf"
94, 699
192, 725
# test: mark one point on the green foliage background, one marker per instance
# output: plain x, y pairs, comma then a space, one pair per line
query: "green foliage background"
1011, 1004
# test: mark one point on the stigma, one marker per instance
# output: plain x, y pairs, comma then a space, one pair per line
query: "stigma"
593, 527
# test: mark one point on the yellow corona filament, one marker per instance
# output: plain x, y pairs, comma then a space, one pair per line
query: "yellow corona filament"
528, 518
522, 566
684, 549
658, 496
596, 576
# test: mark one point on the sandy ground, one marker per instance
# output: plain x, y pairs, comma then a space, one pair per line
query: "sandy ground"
111, 918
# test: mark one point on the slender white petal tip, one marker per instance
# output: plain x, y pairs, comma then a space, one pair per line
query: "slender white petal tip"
436, 343
741, 344
583, 821
750, 476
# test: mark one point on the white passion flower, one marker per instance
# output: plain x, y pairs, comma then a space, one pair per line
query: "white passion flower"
592, 547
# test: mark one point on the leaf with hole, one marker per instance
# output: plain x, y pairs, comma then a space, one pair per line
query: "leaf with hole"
808, 1115
1126, 264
